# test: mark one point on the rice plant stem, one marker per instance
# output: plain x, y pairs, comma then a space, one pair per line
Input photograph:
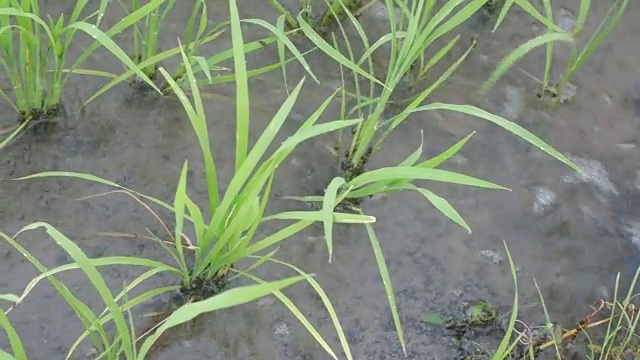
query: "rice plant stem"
291, 21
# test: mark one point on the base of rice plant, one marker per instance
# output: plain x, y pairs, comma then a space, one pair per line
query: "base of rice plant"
336, 9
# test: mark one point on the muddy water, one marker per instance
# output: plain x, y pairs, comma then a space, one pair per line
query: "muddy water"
569, 233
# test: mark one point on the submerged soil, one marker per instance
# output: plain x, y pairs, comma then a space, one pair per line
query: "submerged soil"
570, 233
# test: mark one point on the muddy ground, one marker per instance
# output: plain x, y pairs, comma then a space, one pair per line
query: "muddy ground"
570, 234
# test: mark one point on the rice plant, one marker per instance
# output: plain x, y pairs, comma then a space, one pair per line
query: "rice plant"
205, 262
335, 10
33, 54
146, 36
198, 34
423, 25
124, 343
577, 59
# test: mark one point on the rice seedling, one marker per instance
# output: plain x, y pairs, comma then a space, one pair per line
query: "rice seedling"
197, 34
335, 10
424, 25
123, 344
577, 59
34, 63
205, 262
146, 36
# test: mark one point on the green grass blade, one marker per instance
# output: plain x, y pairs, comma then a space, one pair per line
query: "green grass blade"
317, 130
179, 204
242, 87
227, 299
93, 178
503, 13
527, 7
503, 349
98, 262
280, 24
84, 313
327, 304
337, 217
14, 340
281, 35
299, 315
274, 238
505, 124
549, 48
117, 79
332, 52
583, 13
604, 29
397, 173
198, 121
386, 282
456, 20
114, 49
415, 156
328, 204
257, 152
521, 51
441, 204
395, 122
435, 161
124, 23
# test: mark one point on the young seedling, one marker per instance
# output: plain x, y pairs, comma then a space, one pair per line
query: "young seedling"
146, 35
34, 63
336, 10
423, 25
559, 92
235, 217
123, 343
198, 34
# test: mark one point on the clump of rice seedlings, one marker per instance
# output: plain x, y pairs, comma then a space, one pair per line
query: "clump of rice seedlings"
336, 10
33, 52
407, 46
197, 34
124, 343
578, 58
225, 230
146, 33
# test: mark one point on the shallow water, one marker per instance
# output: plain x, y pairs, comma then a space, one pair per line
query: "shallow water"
569, 233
